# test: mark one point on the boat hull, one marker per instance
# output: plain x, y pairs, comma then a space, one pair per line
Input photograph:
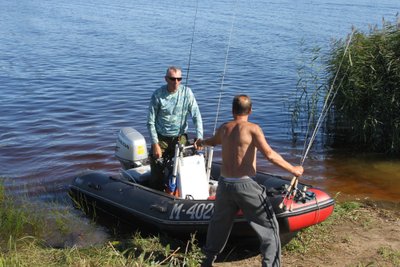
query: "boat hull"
144, 207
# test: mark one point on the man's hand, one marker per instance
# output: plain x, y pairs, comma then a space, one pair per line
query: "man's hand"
297, 171
198, 144
157, 153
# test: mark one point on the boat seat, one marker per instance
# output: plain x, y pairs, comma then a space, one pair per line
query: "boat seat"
192, 179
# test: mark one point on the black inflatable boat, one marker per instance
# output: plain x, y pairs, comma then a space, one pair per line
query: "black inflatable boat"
128, 196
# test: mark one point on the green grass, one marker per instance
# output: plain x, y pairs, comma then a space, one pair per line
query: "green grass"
307, 238
16, 221
319, 239
390, 255
138, 251
26, 231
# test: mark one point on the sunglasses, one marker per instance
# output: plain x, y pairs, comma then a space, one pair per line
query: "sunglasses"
175, 78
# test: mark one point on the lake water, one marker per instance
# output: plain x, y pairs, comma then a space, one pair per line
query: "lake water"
72, 73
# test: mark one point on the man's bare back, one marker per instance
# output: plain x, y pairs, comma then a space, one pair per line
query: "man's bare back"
240, 140
238, 149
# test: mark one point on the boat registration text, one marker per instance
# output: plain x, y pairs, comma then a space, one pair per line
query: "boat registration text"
197, 211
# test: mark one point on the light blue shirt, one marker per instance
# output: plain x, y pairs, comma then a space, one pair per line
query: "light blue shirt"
168, 113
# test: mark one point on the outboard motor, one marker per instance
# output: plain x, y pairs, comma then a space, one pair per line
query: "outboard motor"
131, 149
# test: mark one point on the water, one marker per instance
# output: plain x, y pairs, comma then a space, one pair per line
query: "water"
72, 73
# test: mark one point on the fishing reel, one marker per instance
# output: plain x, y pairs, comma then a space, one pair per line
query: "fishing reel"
291, 193
302, 195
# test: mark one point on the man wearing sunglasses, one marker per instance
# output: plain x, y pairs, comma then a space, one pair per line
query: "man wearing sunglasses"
169, 108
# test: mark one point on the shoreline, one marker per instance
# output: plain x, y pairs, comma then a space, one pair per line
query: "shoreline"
366, 235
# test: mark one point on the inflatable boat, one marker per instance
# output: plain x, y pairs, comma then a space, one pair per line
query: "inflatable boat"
188, 207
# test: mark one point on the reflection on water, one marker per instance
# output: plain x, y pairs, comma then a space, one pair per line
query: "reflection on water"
73, 73
364, 177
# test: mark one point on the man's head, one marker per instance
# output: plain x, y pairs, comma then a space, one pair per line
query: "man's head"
241, 105
173, 77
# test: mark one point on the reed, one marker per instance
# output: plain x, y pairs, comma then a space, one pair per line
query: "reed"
367, 105
306, 105
365, 80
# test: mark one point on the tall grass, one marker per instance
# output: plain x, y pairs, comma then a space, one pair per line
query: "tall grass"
138, 251
37, 236
15, 222
310, 91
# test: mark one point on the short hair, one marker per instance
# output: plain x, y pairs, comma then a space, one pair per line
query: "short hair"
173, 68
241, 105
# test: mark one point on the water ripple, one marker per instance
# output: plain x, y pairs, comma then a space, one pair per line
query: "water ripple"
73, 73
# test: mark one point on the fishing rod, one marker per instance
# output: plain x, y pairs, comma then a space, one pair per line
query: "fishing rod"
183, 118
172, 183
292, 189
211, 149
191, 44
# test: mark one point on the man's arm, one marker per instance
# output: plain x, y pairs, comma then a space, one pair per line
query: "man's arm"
212, 141
272, 155
151, 119
151, 126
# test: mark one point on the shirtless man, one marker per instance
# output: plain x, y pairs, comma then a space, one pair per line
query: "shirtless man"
240, 140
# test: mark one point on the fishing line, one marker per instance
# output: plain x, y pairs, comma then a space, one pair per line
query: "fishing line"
188, 68
225, 65
327, 105
210, 151
191, 45
184, 116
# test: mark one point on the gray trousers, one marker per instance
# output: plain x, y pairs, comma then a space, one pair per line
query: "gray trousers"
251, 198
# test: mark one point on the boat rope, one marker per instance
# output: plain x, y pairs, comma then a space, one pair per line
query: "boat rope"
210, 151
318, 210
332, 92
